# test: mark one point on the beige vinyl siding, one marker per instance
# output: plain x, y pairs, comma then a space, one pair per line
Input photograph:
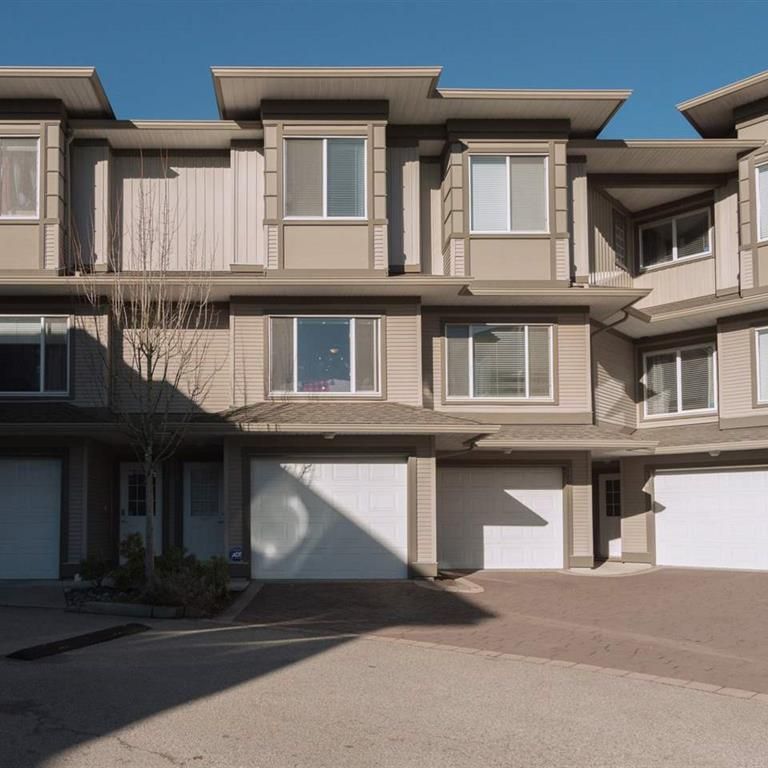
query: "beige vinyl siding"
247, 162
249, 364
189, 195
736, 370
635, 510
726, 236
403, 207
431, 218
54, 203
572, 369
453, 228
425, 496
604, 266
77, 501
91, 205
89, 373
403, 352
680, 282
580, 487
615, 380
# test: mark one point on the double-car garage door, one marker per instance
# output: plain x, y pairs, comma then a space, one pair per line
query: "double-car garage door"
712, 518
30, 512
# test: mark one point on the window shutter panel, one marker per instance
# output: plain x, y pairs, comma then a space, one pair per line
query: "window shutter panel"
499, 361
346, 177
365, 354
281, 349
692, 234
490, 204
762, 191
303, 177
697, 379
528, 193
457, 363
539, 363
661, 384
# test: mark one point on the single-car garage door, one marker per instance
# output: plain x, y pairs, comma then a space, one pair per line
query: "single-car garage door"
30, 511
712, 518
500, 517
329, 519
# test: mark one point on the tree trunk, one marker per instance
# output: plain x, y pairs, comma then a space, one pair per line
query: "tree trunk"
149, 533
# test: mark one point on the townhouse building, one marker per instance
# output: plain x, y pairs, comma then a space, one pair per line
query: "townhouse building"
455, 329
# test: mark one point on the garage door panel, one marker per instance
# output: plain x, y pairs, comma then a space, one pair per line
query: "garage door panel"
500, 517
330, 519
712, 519
30, 511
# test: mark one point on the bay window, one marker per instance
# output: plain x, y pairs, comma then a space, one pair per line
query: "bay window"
19, 177
676, 238
324, 355
325, 178
678, 381
509, 194
34, 355
498, 361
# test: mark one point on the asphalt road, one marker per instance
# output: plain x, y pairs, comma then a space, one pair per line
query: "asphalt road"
205, 695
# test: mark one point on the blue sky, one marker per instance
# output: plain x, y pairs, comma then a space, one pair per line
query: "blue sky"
153, 57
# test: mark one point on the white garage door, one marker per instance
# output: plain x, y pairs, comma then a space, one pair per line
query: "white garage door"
329, 519
500, 517
30, 508
712, 519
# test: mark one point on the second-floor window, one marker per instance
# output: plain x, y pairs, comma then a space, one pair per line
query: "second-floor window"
678, 237
509, 194
324, 355
498, 361
761, 352
762, 201
325, 178
18, 177
34, 355
678, 381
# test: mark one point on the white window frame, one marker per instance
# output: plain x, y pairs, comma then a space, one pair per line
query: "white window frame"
761, 237
325, 216
471, 363
509, 230
352, 361
679, 381
41, 392
757, 331
675, 257
36, 215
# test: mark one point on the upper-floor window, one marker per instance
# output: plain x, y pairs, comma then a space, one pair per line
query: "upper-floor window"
498, 361
325, 178
34, 355
679, 380
324, 355
620, 237
761, 173
761, 351
677, 237
18, 177
509, 194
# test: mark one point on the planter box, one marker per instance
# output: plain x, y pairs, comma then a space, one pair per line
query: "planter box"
131, 609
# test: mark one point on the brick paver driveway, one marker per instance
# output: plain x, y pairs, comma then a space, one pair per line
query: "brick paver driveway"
709, 626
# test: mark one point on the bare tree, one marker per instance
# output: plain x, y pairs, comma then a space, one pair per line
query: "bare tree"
152, 316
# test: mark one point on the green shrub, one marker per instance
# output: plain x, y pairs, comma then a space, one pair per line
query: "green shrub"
94, 569
129, 575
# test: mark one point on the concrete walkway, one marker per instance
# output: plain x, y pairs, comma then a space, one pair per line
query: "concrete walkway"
690, 625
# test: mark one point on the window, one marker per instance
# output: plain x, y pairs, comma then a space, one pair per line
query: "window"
509, 193
18, 177
761, 343
673, 239
34, 355
498, 360
612, 497
324, 355
679, 381
762, 201
325, 178
620, 238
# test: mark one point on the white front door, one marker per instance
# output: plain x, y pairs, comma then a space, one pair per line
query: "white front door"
133, 504
609, 521
30, 511
203, 509
500, 517
713, 518
329, 519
